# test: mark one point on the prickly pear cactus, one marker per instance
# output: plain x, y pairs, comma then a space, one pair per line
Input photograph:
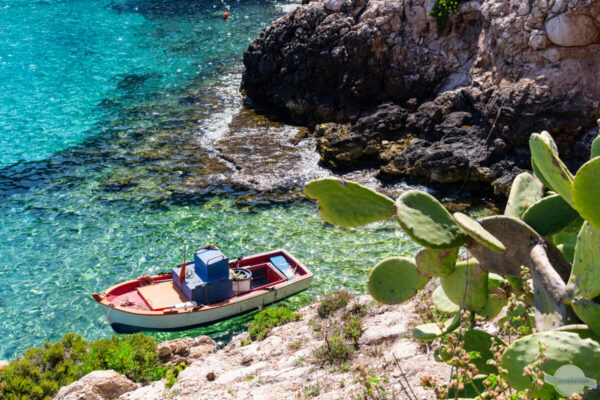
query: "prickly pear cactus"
516, 237
477, 232
349, 204
442, 303
548, 138
493, 306
427, 222
436, 262
550, 215
586, 191
563, 348
476, 341
395, 280
588, 311
551, 167
467, 285
595, 148
526, 189
494, 281
585, 275
567, 251
433, 330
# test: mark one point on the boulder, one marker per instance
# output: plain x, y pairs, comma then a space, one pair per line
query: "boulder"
572, 30
97, 385
186, 350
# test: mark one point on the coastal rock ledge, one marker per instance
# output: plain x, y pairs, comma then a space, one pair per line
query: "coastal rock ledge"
382, 88
285, 365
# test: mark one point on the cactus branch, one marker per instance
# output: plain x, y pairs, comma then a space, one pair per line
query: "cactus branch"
549, 290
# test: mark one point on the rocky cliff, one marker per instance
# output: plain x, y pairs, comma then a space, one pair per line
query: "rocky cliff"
285, 364
381, 87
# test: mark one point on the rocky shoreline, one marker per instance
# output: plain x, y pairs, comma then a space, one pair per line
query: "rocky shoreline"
380, 88
284, 365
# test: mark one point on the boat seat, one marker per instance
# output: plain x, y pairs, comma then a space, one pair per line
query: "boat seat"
281, 263
161, 296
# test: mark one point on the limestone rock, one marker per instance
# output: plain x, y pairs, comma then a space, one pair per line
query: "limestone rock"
97, 385
572, 30
186, 350
3, 363
155, 390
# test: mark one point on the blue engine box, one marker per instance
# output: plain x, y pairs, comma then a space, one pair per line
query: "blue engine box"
211, 265
200, 291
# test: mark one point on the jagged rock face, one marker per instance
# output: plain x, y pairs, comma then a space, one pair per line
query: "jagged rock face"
330, 60
447, 108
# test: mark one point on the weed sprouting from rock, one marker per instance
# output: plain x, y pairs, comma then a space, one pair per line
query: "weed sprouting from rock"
333, 302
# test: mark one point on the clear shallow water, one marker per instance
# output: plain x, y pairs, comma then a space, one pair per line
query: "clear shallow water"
112, 119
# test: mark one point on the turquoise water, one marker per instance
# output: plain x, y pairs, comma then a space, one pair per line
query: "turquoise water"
104, 108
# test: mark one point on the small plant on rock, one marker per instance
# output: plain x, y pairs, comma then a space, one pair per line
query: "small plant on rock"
268, 319
441, 11
335, 350
353, 329
172, 374
333, 302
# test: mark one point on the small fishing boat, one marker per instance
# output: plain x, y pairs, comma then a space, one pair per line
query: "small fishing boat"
208, 289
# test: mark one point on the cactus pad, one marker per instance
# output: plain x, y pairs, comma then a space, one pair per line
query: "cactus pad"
551, 167
588, 311
349, 204
494, 281
550, 141
548, 138
585, 275
549, 215
586, 191
595, 148
427, 222
395, 280
526, 189
477, 232
564, 348
568, 251
433, 330
516, 237
467, 285
480, 342
441, 301
436, 262
494, 305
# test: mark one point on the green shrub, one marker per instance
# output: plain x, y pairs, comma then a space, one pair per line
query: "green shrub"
172, 374
268, 319
333, 302
353, 329
40, 372
334, 351
133, 356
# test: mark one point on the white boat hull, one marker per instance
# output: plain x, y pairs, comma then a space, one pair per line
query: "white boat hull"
125, 321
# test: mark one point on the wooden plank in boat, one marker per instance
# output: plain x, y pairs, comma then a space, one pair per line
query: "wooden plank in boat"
161, 295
